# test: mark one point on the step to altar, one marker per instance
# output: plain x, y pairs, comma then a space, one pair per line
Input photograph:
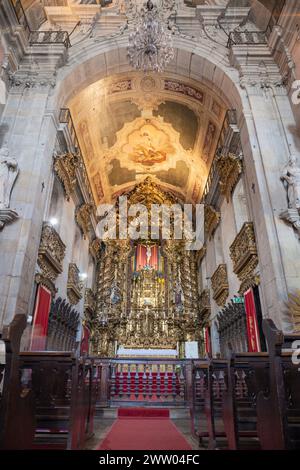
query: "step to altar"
112, 412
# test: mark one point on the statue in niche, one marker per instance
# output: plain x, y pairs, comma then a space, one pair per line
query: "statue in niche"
9, 171
292, 179
115, 294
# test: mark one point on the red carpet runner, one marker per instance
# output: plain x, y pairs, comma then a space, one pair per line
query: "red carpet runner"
144, 429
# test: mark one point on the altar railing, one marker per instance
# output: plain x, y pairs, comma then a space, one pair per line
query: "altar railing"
155, 382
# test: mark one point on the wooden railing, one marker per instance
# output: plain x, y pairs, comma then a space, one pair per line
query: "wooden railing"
157, 382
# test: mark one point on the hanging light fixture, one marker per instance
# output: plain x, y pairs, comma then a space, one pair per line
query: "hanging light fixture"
150, 44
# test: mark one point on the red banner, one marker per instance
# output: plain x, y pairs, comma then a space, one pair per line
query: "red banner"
207, 341
252, 326
40, 319
85, 341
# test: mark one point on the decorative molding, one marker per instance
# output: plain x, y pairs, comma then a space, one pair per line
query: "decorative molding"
243, 253
74, 286
83, 218
41, 279
7, 216
186, 90
211, 220
50, 256
219, 282
229, 168
65, 167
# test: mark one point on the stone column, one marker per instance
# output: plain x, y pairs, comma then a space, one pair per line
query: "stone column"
267, 144
30, 135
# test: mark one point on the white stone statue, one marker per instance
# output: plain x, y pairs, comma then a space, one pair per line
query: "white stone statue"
9, 171
291, 177
148, 255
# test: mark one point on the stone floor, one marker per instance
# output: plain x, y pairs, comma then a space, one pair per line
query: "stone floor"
103, 424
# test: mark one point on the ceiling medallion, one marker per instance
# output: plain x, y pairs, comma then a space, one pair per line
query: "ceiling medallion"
150, 44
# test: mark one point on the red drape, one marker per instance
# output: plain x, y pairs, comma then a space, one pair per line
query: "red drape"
40, 319
85, 340
252, 326
207, 341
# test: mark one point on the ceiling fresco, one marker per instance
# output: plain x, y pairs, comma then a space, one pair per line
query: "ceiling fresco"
135, 125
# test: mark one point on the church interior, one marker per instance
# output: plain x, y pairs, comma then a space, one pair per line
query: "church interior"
130, 338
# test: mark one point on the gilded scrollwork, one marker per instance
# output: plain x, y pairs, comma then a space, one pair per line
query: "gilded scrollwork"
65, 166
220, 286
83, 215
211, 220
74, 285
229, 168
204, 306
50, 255
243, 253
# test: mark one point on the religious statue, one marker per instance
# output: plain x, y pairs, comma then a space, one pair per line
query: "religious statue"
148, 255
9, 171
291, 178
115, 294
8, 174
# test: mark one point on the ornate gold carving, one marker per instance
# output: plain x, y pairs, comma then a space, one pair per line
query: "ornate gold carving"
74, 286
83, 218
95, 248
243, 253
230, 169
219, 282
148, 192
50, 256
89, 302
41, 279
65, 167
204, 306
211, 220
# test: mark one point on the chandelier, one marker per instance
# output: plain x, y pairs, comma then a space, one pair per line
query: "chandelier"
150, 44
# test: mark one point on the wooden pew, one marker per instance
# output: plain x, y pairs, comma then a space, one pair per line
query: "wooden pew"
278, 409
206, 408
65, 390
247, 375
17, 403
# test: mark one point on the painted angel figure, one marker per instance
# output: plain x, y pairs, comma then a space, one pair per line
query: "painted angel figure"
292, 178
8, 174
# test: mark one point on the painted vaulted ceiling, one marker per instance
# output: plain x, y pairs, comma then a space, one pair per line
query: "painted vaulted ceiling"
135, 125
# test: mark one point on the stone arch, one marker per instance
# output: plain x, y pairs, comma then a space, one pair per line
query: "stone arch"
204, 63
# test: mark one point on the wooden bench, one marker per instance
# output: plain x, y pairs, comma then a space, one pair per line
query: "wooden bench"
278, 409
246, 376
65, 392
